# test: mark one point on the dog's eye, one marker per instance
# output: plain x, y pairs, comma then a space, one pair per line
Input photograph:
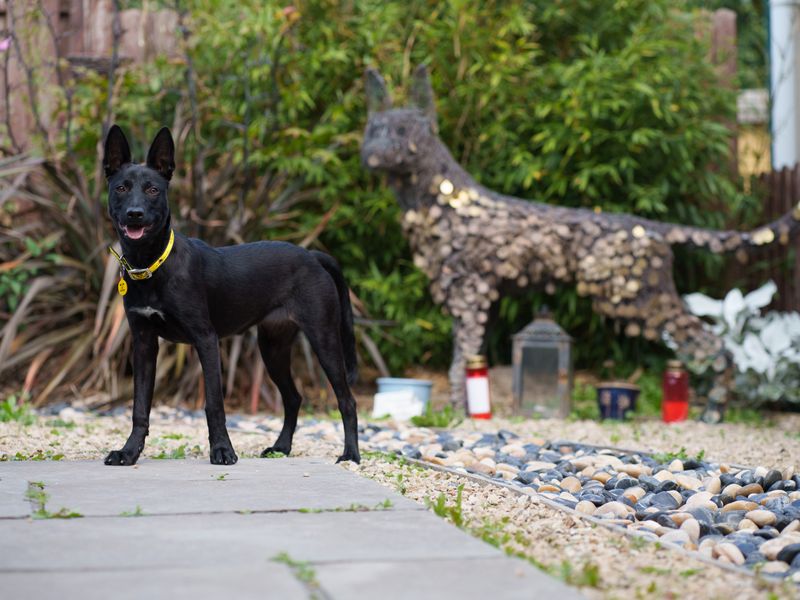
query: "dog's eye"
152, 191
121, 189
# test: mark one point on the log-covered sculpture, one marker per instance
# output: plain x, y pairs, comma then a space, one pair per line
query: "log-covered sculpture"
474, 244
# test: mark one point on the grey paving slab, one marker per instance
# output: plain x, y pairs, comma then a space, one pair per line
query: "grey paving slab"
192, 486
498, 578
13, 502
206, 538
230, 539
251, 582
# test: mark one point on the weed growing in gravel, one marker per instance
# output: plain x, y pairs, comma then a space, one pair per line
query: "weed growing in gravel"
38, 455
399, 485
14, 408
452, 512
667, 457
651, 570
61, 423
355, 507
179, 452
39, 497
587, 576
301, 569
173, 436
273, 455
690, 572
220, 477
135, 513
444, 418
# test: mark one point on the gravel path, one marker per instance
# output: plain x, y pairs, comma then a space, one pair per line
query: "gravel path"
605, 563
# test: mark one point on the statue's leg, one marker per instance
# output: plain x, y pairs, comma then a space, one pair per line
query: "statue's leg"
470, 310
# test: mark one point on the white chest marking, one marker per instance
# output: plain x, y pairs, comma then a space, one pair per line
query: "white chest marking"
149, 311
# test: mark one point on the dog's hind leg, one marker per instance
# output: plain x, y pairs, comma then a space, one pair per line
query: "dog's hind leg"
327, 346
221, 449
145, 352
276, 351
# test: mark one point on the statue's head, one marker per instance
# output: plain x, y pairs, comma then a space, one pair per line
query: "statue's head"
398, 140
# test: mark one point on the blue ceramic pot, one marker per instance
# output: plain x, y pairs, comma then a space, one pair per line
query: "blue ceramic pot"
615, 399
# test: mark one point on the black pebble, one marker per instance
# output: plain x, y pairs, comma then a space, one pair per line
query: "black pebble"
788, 553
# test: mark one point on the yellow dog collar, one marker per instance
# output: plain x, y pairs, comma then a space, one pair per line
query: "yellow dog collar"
140, 274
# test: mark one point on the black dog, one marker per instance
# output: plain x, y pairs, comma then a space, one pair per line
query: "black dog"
183, 290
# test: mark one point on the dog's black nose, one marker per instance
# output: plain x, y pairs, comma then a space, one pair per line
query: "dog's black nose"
135, 214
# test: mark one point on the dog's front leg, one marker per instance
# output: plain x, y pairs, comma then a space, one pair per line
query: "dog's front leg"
221, 448
145, 351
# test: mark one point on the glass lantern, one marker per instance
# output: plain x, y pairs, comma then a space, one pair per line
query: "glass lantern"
542, 357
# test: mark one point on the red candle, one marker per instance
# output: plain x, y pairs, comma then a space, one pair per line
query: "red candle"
675, 385
478, 401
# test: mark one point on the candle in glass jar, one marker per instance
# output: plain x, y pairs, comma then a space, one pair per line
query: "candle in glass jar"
478, 402
675, 386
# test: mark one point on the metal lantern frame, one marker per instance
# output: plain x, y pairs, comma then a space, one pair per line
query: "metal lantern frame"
543, 334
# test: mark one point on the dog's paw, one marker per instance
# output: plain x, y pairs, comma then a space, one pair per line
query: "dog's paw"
121, 458
350, 454
223, 455
273, 451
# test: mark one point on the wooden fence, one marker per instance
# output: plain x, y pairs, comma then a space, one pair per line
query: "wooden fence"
780, 191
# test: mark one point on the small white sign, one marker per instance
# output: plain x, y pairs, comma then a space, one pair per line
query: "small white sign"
401, 405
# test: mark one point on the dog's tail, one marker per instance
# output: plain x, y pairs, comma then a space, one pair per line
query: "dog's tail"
347, 334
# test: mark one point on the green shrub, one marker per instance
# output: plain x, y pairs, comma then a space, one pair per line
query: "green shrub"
583, 103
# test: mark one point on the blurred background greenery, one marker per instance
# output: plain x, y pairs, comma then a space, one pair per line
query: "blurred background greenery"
609, 103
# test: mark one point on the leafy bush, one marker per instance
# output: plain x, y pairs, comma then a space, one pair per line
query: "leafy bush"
585, 103
764, 348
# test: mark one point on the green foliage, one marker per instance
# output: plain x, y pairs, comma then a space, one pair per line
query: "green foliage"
39, 498
584, 402
584, 103
273, 454
452, 512
137, 512
14, 408
179, 452
588, 575
668, 457
447, 417
303, 570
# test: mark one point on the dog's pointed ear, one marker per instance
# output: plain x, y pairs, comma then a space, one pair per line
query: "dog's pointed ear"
117, 152
378, 98
422, 93
161, 156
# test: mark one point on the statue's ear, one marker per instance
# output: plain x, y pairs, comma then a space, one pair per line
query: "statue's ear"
422, 93
117, 152
161, 156
378, 98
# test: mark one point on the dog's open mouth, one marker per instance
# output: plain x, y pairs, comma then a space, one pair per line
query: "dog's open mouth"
134, 232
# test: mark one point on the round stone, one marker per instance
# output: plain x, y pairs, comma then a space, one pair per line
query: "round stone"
750, 489
788, 553
692, 529
761, 517
747, 525
739, 505
614, 509
730, 552
677, 536
585, 507
772, 477
731, 490
712, 485
571, 484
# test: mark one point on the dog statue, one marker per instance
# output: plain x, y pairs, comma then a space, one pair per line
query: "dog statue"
476, 244
183, 290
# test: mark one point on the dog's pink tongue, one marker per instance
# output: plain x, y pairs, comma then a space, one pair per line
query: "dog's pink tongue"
134, 232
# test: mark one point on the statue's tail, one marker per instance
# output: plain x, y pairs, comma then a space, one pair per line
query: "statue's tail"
782, 230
